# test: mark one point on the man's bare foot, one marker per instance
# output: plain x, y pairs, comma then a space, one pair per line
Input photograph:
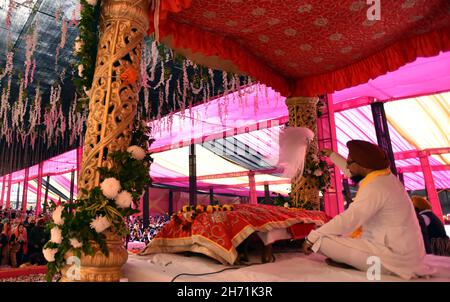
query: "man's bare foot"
331, 262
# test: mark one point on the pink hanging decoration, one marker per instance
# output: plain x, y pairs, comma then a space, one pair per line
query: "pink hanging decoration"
4, 109
35, 115
160, 104
51, 114
196, 91
256, 100
31, 42
167, 86
147, 102
225, 82
62, 43
75, 12
185, 86
161, 79
11, 7
58, 14
211, 76
33, 69
9, 65
154, 53
145, 62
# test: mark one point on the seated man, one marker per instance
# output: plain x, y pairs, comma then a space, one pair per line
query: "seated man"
382, 208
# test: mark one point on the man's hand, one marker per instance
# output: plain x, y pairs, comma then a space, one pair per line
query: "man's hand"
326, 152
306, 247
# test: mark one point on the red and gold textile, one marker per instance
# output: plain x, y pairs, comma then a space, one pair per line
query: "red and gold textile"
218, 234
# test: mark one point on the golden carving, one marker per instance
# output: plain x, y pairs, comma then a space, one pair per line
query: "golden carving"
97, 268
303, 113
112, 107
113, 102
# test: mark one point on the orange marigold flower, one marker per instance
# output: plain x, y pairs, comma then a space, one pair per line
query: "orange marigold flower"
129, 76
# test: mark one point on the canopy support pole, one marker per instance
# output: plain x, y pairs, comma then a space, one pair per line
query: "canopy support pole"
433, 196
326, 136
170, 202
25, 190
46, 193
39, 188
211, 195
72, 185
8, 192
382, 132
146, 208
252, 184
192, 176
18, 196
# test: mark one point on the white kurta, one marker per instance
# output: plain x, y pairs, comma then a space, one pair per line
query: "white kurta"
390, 228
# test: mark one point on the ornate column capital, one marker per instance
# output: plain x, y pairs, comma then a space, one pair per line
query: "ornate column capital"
299, 100
125, 10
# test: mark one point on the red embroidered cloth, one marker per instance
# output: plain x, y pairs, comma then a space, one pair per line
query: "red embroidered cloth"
218, 234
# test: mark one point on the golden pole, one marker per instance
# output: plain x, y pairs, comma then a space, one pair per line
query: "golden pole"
113, 101
112, 106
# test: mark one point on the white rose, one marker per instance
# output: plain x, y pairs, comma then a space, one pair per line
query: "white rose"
110, 187
80, 70
55, 235
286, 205
49, 254
100, 223
75, 243
136, 152
318, 172
78, 45
124, 199
57, 219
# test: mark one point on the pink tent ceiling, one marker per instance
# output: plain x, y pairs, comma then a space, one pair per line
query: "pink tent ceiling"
254, 115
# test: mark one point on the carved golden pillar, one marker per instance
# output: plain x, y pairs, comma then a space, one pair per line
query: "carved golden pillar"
113, 98
112, 107
303, 113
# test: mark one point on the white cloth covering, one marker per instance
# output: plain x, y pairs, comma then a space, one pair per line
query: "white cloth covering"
288, 267
274, 235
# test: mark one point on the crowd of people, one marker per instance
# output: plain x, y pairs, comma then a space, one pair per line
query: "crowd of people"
22, 237
24, 234
139, 233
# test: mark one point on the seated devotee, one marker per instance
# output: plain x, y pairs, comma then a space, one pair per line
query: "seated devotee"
18, 245
383, 211
435, 230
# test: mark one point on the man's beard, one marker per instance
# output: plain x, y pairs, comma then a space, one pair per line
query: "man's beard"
356, 178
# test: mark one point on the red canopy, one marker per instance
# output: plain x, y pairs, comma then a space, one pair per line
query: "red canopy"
304, 48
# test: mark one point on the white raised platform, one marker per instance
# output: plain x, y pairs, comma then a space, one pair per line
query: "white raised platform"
287, 267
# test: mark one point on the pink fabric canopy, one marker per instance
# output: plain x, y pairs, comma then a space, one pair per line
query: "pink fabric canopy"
254, 115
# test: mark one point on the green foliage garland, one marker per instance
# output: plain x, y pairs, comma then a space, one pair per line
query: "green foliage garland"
89, 35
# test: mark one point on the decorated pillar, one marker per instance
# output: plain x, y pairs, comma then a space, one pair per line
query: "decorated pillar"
305, 187
114, 92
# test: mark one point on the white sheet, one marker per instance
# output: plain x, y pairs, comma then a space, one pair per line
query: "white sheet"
287, 267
